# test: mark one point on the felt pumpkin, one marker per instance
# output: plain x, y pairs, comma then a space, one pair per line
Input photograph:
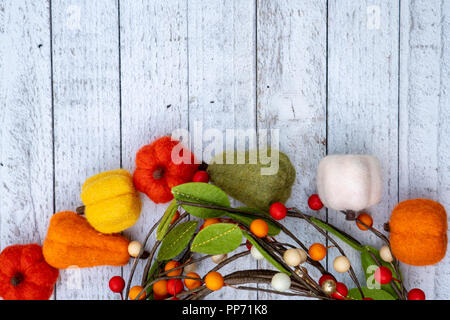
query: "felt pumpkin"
418, 232
112, 204
24, 274
156, 172
349, 182
246, 181
72, 242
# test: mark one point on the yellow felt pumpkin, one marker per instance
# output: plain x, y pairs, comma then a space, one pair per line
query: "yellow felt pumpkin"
112, 204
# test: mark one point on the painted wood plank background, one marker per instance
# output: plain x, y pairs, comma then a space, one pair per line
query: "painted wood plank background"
84, 84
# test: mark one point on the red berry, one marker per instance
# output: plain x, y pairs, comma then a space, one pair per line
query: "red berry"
248, 244
383, 275
341, 291
416, 294
278, 211
174, 286
156, 297
326, 277
367, 298
116, 284
201, 176
314, 202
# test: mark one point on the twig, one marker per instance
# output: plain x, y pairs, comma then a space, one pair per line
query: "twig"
136, 260
350, 271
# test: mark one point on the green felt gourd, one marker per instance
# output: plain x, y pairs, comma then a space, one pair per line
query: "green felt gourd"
246, 183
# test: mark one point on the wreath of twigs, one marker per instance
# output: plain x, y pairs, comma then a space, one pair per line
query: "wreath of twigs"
302, 285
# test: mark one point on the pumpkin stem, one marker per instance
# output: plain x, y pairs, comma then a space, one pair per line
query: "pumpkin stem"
17, 279
80, 210
158, 173
203, 166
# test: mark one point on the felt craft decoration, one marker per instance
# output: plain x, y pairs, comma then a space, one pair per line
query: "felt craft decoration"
418, 232
156, 173
112, 204
72, 242
24, 274
245, 182
349, 182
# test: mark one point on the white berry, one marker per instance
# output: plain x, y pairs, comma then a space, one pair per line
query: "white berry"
256, 254
385, 254
292, 257
190, 268
303, 255
134, 248
218, 258
341, 264
281, 282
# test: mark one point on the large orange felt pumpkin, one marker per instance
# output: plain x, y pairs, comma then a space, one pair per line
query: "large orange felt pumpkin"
72, 242
418, 232
156, 173
24, 274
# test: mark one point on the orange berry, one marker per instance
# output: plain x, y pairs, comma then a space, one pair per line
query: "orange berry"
366, 219
190, 283
175, 217
171, 265
160, 288
317, 251
209, 222
259, 228
135, 291
214, 281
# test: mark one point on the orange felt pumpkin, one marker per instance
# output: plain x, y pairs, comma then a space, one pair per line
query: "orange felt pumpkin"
156, 172
24, 274
72, 242
418, 232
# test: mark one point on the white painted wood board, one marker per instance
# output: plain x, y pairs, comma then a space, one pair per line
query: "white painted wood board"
291, 95
126, 72
86, 117
26, 163
221, 42
154, 90
363, 104
424, 122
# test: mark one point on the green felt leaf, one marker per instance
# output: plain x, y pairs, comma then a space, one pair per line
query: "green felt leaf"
375, 294
248, 181
266, 255
337, 233
247, 219
218, 238
202, 193
166, 219
177, 240
369, 266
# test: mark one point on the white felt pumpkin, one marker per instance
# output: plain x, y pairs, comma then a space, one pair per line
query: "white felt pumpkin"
349, 182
